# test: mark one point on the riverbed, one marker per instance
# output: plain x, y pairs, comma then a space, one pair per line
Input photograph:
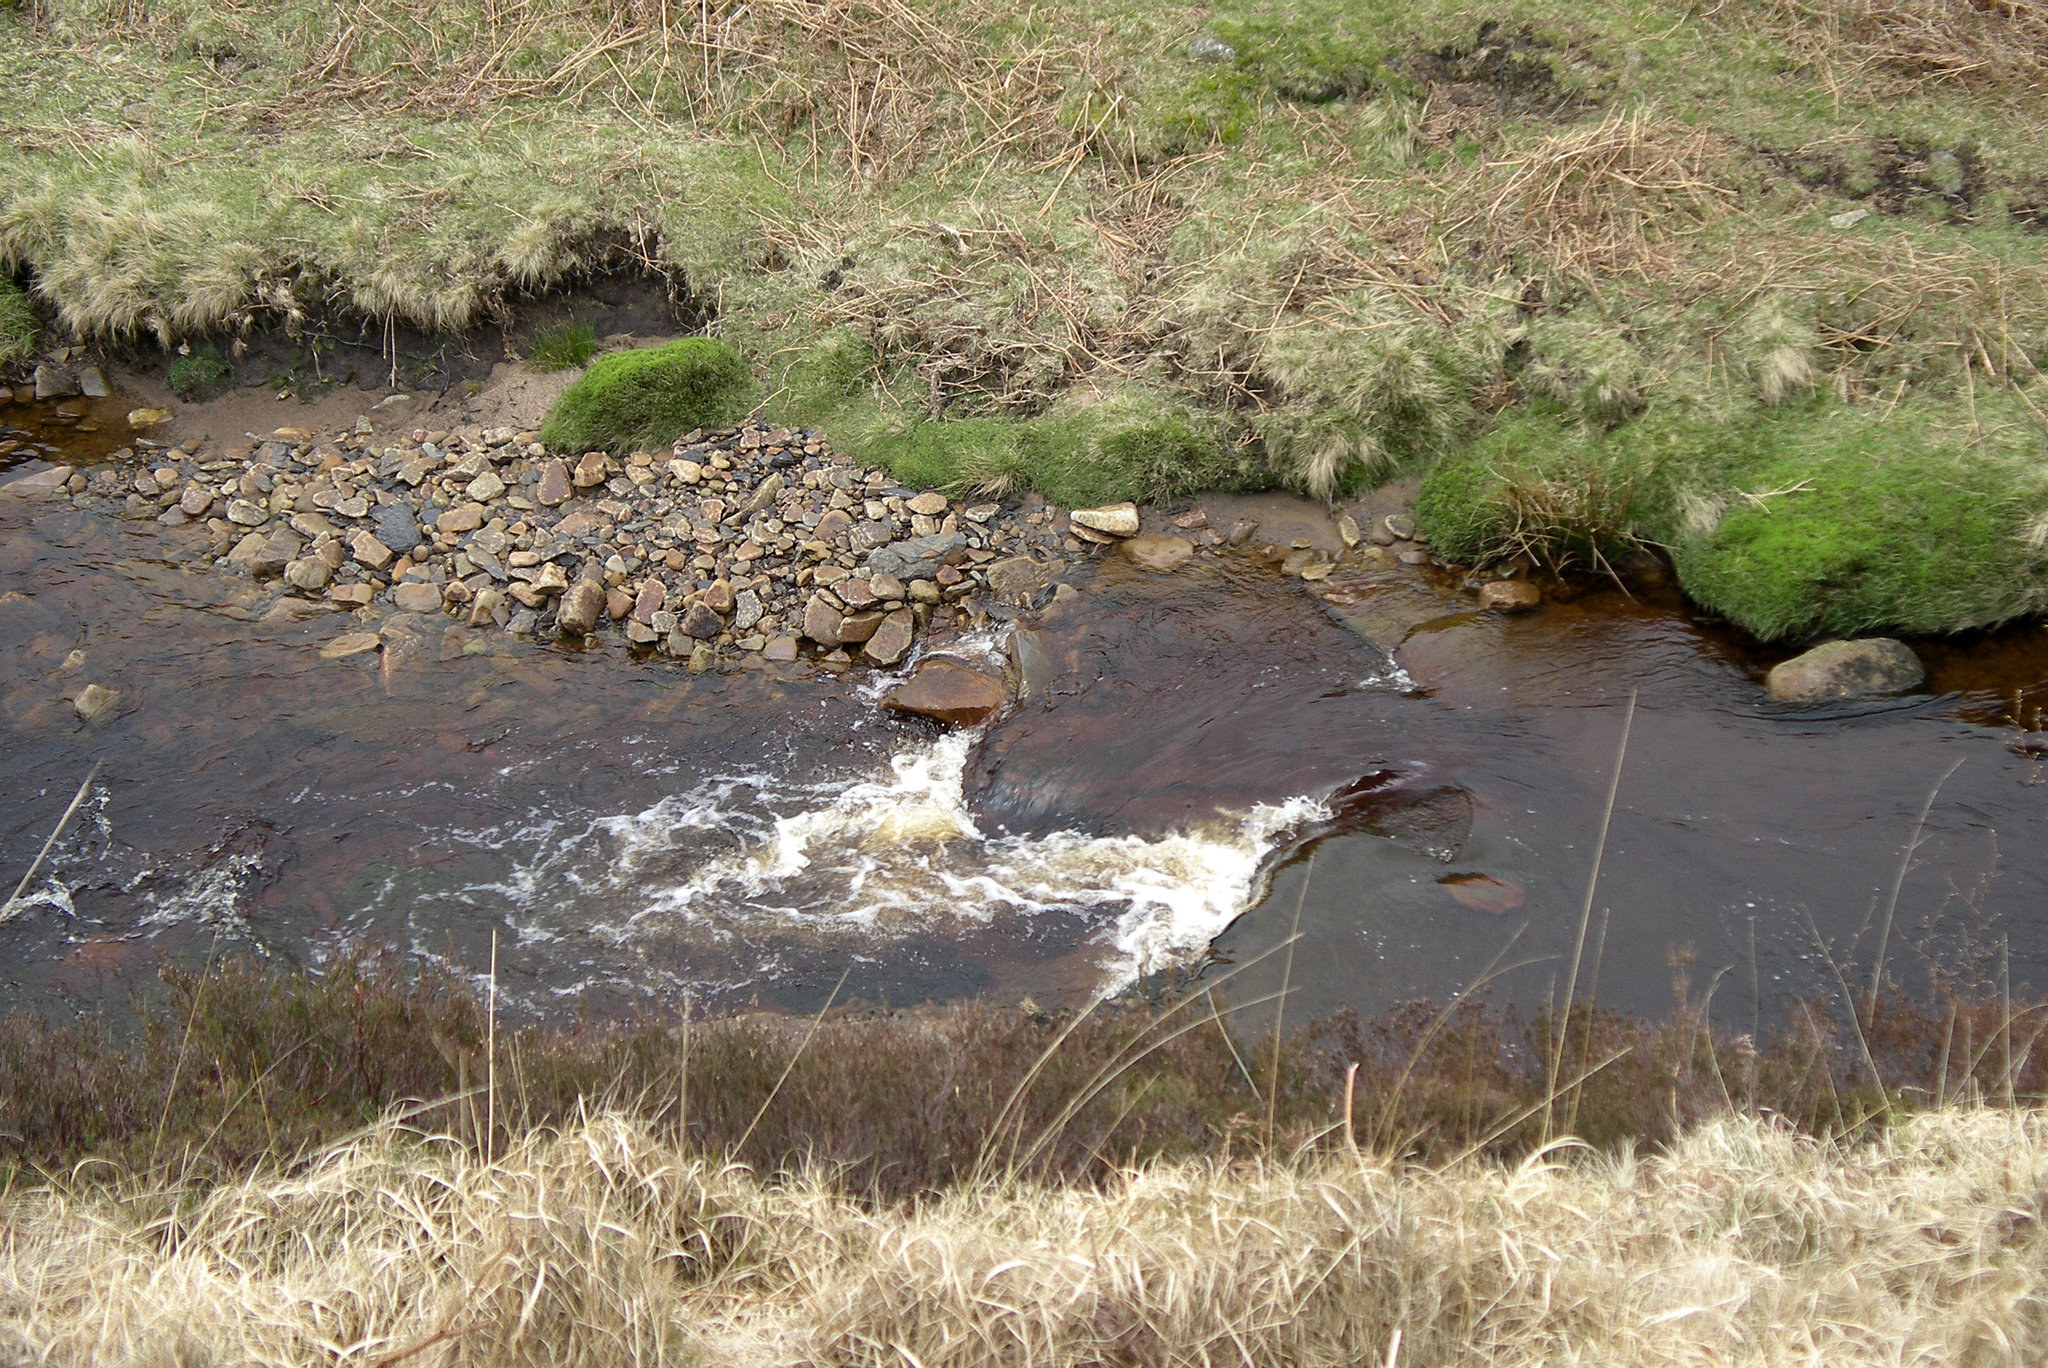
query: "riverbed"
1359, 788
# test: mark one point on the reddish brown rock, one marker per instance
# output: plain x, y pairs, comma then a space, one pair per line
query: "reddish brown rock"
554, 484
590, 471
821, 620
653, 598
891, 641
949, 692
617, 604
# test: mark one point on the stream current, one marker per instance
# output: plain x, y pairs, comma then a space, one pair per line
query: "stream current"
1204, 767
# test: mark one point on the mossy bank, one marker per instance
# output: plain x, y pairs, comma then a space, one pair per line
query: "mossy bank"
1743, 283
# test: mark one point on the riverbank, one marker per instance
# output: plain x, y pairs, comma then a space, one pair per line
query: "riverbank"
270, 1147
1604, 276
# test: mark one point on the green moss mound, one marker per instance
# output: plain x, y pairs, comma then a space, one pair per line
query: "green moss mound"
1814, 518
645, 399
1849, 522
17, 325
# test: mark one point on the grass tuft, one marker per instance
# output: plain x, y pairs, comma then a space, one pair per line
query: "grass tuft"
561, 346
17, 325
200, 374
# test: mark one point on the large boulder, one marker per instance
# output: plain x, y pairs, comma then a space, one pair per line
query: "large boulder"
1871, 668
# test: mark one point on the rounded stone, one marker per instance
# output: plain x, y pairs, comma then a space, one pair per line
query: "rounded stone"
1871, 668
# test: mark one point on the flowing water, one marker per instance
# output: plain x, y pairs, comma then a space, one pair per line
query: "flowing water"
1211, 757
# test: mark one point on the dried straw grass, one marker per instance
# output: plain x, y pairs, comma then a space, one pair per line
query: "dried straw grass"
1903, 45
1744, 1244
1607, 197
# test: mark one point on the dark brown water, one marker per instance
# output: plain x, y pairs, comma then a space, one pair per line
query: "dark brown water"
632, 834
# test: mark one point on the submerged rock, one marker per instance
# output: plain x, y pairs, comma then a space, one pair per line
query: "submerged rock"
1162, 555
1510, 596
1871, 668
950, 692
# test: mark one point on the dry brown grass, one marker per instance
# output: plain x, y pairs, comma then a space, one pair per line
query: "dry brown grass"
1607, 197
1744, 1244
1980, 45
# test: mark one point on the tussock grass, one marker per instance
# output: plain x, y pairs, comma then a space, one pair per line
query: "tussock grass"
601, 1244
17, 325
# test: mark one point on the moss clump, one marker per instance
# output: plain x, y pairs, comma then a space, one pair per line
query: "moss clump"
1137, 444
199, 375
1807, 518
642, 399
1850, 521
17, 325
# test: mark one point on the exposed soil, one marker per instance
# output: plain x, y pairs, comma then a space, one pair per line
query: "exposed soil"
1500, 67
1894, 175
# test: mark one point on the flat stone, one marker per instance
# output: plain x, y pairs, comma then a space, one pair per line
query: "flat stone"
242, 513
1117, 519
780, 651
485, 487
462, 518
821, 620
147, 417
746, 610
1509, 596
54, 382
1870, 668
930, 504
370, 552
415, 597
590, 471
1347, 528
195, 500
554, 484
919, 557
1162, 555
396, 527
92, 382
581, 604
856, 629
354, 506
354, 643
1399, 526
949, 692
892, 640
652, 599
350, 595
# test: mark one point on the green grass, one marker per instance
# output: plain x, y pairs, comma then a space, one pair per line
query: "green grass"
17, 325
561, 346
644, 399
201, 374
1375, 235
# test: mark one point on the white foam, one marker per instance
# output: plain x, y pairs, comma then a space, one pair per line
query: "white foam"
742, 859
